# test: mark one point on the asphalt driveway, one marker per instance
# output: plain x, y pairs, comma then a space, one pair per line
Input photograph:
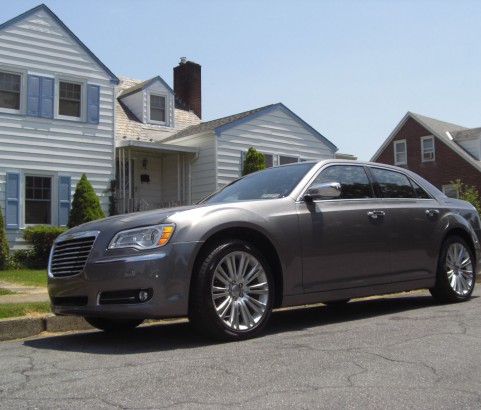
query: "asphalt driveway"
400, 352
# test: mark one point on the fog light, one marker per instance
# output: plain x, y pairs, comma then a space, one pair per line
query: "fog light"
143, 295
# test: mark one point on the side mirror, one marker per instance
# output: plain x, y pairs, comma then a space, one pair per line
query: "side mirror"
324, 190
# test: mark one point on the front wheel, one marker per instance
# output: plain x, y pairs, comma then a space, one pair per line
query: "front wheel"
456, 271
113, 325
232, 293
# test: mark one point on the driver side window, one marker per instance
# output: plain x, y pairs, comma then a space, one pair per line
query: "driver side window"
354, 181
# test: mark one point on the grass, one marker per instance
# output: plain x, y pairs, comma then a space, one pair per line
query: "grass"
25, 277
8, 310
6, 292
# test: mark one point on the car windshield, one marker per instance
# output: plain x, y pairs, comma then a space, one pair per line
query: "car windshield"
270, 183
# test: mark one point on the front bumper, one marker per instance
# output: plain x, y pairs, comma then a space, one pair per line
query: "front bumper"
134, 285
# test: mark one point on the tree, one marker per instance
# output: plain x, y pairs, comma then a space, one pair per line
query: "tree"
85, 205
254, 161
468, 193
3, 243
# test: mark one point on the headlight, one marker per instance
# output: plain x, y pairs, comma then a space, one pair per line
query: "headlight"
148, 237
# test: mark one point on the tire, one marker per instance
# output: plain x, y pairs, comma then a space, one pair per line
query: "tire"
232, 293
456, 273
113, 325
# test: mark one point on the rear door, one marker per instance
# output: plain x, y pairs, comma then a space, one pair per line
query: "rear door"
414, 243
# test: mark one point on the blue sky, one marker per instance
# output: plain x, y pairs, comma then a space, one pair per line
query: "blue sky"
349, 68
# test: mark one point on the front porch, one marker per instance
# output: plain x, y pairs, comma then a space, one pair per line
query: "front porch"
151, 175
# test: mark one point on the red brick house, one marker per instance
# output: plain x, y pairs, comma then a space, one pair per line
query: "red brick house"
438, 151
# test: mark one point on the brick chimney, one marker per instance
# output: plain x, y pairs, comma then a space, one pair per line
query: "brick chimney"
187, 85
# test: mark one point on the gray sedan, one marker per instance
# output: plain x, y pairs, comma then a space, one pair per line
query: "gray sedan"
296, 234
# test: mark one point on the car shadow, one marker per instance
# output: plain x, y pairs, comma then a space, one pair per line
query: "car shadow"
174, 335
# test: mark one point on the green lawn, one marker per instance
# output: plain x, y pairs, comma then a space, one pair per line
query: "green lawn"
25, 277
8, 310
28, 278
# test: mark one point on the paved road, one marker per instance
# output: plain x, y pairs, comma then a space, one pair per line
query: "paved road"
402, 352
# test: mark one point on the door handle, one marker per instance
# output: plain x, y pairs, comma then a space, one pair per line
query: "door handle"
375, 214
431, 213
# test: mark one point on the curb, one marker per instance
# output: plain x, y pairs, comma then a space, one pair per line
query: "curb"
22, 327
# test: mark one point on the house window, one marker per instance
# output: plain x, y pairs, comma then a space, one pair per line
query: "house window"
157, 108
10, 91
69, 102
400, 153
427, 149
38, 200
269, 160
284, 159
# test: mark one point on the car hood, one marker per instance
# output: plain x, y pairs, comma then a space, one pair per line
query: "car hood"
127, 221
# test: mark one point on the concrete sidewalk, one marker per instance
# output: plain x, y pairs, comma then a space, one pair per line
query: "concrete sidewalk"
27, 326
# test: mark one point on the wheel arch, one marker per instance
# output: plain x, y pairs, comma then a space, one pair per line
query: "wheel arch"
257, 239
462, 233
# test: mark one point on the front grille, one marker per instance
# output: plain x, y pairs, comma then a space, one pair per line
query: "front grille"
70, 256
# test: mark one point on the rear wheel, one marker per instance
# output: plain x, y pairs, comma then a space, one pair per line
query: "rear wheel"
232, 292
113, 325
456, 271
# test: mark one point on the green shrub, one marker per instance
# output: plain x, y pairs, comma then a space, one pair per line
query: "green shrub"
85, 205
21, 259
41, 237
468, 193
254, 161
3, 243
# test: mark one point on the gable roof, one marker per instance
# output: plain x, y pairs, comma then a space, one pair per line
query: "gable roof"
222, 124
214, 124
443, 131
144, 85
43, 7
127, 125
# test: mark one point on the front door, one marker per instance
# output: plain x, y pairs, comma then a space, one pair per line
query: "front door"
344, 241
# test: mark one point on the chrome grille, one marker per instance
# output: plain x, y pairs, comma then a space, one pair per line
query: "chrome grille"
70, 255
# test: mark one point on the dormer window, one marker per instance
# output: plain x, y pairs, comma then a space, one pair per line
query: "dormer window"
157, 108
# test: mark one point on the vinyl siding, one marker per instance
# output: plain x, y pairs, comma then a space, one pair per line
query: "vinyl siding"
38, 45
274, 133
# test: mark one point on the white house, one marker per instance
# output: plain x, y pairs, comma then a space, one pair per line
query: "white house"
274, 130
64, 113
57, 104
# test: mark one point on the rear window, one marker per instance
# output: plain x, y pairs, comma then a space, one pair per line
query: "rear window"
397, 185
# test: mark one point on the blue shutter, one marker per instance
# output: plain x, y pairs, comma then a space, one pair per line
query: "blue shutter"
63, 200
46, 97
33, 95
93, 104
12, 201
40, 96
